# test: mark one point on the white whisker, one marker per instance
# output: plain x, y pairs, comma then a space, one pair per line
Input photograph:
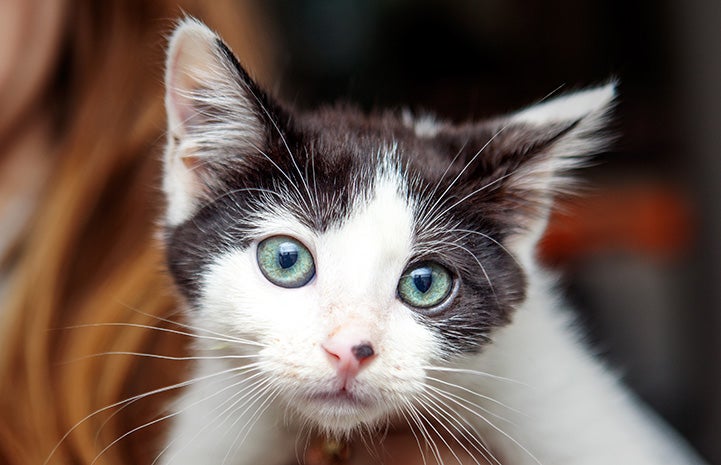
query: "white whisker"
473, 372
491, 424
133, 399
453, 422
484, 397
168, 330
473, 437
413, 432
423, 399
413, 411
230, 400
162, 357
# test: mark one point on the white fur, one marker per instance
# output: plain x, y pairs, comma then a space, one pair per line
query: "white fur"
569, 107
424, 126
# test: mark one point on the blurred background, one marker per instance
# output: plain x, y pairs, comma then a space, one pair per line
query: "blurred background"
638, 251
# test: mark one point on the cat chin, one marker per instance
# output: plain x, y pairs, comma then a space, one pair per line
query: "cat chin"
341, 415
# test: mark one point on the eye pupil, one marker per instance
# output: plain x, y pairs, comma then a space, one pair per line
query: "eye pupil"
287, 255
422, 279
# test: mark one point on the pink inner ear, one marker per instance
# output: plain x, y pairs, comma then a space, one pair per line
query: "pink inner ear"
192, 163
178, 101
188, 58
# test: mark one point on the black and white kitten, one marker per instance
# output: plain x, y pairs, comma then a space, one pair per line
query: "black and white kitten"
354, 273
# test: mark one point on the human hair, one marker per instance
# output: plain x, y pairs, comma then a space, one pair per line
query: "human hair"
83, 280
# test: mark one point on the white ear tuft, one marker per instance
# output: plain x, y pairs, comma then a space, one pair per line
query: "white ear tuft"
574, 124
571, 107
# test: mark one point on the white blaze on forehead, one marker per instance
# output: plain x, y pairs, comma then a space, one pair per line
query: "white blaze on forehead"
359, 262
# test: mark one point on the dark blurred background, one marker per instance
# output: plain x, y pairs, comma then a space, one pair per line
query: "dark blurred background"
639, 252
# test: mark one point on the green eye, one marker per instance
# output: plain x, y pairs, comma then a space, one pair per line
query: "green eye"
285, 262
425, 285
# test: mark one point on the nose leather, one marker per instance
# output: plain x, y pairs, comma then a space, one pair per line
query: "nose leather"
348, 352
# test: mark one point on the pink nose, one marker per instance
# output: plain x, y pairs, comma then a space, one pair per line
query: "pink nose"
348, 354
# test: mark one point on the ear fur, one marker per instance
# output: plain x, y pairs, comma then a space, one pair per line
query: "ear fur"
573, 126
537, 147
509, 169
214, 113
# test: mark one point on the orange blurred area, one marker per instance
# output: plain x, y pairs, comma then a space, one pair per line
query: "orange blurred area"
654, 221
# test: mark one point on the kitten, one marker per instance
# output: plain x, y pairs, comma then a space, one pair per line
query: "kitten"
351, 274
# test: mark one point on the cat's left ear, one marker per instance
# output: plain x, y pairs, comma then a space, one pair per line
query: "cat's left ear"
216, 116
526, 157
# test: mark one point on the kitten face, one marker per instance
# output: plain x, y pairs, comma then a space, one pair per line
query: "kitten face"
350, 300
392, 246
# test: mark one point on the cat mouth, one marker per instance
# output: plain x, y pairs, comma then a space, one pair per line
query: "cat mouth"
341, 411
341, 397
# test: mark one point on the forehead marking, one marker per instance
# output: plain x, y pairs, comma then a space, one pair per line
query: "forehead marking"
362, 257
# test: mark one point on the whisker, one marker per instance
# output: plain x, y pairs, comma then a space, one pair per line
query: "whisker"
237, 191
467, 231
492, 425
468, 164
440, 215
473, 438
464, 389
423, 399
162, 357
133, 399
413, 432
483, 269
128, 404
166, 330
451, 418
193, 328
285, 143
237, 442
441, 198
473, 372
286, 176
443, 176
426, 435
230, 400
157, 420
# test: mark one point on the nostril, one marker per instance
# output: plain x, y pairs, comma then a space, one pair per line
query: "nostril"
362, 351
330, 352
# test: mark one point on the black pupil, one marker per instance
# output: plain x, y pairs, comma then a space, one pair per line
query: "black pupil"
422, 279
287, 254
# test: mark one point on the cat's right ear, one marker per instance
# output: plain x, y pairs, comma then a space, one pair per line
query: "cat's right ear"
216, 115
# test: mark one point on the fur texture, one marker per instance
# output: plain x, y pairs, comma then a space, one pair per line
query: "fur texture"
495, 369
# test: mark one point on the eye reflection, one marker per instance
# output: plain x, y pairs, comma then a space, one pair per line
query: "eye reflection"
422, 278
287, 254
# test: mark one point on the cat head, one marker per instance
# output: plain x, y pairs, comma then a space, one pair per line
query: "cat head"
346, 252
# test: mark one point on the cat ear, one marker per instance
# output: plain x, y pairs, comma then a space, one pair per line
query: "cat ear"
215, 115
529, 154
557, 136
